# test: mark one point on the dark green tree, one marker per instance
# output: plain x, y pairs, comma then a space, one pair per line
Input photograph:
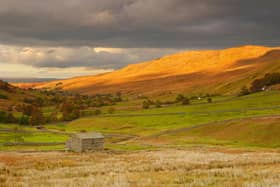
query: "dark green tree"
244, 91
185, 101
24, 120
37, 117
145, 105
209, 100
180, 98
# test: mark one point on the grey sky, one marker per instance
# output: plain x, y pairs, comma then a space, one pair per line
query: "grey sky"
64, 33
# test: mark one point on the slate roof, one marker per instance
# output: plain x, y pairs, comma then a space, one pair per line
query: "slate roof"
89, 135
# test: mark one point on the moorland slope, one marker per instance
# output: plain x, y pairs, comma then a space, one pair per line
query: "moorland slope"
215, 71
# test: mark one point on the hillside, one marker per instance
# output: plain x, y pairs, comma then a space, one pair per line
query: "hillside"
215, 71
8, 95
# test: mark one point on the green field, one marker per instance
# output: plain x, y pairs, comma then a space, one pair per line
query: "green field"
226, 121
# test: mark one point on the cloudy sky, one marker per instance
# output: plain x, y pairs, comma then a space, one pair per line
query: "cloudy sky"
65, 38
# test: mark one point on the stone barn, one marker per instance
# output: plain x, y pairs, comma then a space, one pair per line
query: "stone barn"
85, 142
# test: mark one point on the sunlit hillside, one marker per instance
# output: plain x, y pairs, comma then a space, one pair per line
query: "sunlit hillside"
216, 71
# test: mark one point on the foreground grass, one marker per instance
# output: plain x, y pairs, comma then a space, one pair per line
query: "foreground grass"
169, 167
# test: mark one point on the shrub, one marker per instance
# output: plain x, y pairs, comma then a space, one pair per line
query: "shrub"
97, 112
37, 117
185, 101
268, 80
24, 120
145, 105
111, 110
209, 100
158, 104
7, 117
70, 111
180, 98
2, 96
244, 91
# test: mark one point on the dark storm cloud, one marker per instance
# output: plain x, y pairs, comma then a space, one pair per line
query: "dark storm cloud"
140, 23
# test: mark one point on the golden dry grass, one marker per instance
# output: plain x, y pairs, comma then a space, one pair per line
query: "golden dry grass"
197, 71
169, 167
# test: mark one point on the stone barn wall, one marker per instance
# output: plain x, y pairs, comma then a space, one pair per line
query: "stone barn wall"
74, 144
92, 144
84, 142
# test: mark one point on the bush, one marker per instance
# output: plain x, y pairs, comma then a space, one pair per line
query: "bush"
70, 111
2, 96
24, 120
97, 112
209, 100
111, 110
145, 105
185, 101
268, 80
180, 98
158, 104
244, 91
7, 117
37, 117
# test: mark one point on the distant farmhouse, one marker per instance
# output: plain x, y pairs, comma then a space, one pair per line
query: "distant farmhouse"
85, 142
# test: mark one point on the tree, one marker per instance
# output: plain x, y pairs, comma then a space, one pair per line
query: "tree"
180, 98
268, 80
209, 100
24, 120
7, 117
70, 111
10, 118
118, 97
244, 91
3, 116
185, 101
2, 96
111, 110
257, 85
158, 104
27, 110
37, 117
97, 112
145, 105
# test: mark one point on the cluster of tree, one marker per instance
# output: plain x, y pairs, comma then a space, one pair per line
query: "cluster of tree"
2, 96
31, 115
244, 91
7, 117
103, 100
261, 84
37, 101
6, 86
181, 99
70, 111
70, 105
148, 103
268, 80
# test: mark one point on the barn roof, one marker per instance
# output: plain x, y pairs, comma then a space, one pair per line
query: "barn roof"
89, 135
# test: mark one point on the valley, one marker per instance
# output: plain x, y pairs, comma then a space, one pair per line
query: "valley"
212, 125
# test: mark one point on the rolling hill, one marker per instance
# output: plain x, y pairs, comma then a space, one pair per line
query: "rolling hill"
205, 71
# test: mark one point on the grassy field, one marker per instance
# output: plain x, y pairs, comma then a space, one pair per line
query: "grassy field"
210, 123
166, 167
251, 132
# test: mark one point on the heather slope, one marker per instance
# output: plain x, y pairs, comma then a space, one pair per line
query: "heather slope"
219, 71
